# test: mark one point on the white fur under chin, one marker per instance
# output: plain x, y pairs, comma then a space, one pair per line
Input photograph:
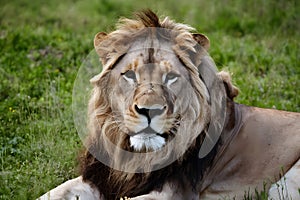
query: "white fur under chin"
148, 141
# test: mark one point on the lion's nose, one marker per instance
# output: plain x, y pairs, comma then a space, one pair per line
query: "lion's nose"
150, 112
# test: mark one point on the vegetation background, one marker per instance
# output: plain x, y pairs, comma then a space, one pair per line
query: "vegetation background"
43, 43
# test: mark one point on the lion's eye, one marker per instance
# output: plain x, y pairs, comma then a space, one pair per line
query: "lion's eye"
171, 78
129, 75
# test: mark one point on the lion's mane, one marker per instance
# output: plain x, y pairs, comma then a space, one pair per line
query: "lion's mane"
104, 129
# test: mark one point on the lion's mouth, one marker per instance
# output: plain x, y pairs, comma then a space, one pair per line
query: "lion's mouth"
149, 140
152, 133
152, 138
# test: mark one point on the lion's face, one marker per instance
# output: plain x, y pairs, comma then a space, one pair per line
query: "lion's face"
150, 91
149, 96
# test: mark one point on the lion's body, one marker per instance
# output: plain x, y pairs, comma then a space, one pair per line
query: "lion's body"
265, 147
151, 111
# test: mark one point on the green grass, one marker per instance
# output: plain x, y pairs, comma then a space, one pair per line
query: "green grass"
43, 43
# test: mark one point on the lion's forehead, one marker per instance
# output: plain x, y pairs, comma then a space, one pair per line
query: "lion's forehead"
151, 62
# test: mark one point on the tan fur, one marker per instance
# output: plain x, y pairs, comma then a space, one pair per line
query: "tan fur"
264, 149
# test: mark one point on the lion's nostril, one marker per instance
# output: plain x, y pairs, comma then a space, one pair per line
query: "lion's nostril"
149, 112
142, 111
154, 112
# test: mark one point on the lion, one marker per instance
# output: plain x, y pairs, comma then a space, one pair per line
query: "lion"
163, 124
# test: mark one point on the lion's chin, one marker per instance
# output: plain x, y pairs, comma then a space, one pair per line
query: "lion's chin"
147, 142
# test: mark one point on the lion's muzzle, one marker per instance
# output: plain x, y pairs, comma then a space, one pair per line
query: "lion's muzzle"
149, 119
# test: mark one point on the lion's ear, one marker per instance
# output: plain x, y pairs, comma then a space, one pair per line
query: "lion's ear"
201, 48
231, 90
99, 37
202, 40
102, 52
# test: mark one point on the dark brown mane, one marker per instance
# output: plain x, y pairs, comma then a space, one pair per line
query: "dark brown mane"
148, 18
190, 168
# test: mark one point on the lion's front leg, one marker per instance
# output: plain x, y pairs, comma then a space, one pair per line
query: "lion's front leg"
288, 187
74, 189
170, 191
